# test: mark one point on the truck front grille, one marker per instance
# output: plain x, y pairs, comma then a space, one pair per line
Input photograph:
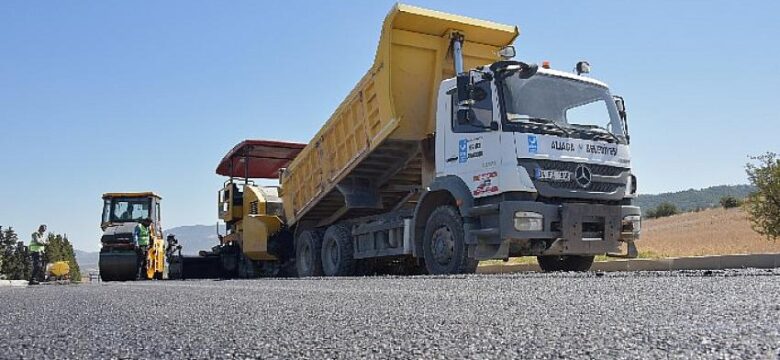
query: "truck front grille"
600, 185
604, 170
594, 186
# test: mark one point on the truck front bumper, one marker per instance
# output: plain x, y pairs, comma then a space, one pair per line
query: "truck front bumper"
519, 228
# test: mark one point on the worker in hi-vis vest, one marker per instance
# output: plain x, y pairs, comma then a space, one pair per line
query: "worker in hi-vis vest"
37, 247
141, 236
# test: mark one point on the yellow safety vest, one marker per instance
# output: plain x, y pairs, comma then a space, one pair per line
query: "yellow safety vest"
35, 244
143, 235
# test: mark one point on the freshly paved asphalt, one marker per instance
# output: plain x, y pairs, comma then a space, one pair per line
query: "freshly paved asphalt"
718, 314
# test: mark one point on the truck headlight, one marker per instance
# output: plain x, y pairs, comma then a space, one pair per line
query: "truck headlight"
631, 186
632, 224
529, 221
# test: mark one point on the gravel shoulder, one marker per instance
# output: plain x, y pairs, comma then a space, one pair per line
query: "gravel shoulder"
693, 314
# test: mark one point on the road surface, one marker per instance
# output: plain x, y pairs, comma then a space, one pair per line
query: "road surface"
700, 314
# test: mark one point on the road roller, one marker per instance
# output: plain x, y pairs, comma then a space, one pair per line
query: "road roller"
120, 257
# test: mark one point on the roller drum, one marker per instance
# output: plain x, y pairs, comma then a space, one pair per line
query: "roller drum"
118, 266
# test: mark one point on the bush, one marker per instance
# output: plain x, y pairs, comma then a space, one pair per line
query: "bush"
763, 205
728, 202
664, 209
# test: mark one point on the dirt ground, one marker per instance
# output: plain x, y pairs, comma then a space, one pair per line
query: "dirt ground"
709, 232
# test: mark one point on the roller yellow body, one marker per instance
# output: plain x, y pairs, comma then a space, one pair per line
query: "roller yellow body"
155, 257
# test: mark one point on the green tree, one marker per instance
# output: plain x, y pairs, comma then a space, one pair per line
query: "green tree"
75, 270
2, 252
763, 205
14, 256
60, 249
22, 263
728, 202
663, 209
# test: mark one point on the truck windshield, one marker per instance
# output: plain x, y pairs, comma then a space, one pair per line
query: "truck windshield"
126, 210
560, 106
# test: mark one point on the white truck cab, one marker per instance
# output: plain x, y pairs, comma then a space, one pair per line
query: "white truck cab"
545, 157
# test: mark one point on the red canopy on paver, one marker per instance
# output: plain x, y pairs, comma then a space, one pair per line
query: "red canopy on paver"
263, 158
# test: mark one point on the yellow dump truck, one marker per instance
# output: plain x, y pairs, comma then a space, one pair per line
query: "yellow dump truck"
445, 153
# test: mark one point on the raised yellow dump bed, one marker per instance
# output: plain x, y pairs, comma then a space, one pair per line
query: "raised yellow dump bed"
391, 109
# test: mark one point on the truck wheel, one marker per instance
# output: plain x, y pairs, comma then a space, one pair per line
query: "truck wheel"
307, 254
444, 244
565, 262
337, 252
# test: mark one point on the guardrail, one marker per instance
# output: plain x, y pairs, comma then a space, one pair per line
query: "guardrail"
13, 283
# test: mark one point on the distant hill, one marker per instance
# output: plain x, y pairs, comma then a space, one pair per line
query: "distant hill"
692, 199
194, 238
87, 260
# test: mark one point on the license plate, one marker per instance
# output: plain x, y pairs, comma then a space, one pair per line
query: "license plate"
553, 175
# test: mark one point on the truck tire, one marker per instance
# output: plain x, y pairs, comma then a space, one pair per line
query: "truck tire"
551, 263
307, 254
337, 252
444, 243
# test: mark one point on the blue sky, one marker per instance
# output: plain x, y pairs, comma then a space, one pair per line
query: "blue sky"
100, 96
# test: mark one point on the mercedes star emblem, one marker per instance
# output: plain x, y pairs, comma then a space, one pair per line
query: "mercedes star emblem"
582, 175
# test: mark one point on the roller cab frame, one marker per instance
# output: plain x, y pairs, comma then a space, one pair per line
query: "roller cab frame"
119, 257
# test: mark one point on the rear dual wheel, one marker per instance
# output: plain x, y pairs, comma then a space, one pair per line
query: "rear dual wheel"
307, 254
329, 254
337, 251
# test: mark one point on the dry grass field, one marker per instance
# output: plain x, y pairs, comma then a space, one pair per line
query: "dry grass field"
709, 232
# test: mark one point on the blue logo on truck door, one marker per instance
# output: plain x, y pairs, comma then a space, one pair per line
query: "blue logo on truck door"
463, 150
533, 144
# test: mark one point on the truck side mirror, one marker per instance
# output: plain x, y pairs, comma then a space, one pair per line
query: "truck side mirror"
507, 52
464, 88
621, 105
463, 117
464, 97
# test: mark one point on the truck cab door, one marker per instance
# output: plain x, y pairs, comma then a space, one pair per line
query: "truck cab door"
471, 150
